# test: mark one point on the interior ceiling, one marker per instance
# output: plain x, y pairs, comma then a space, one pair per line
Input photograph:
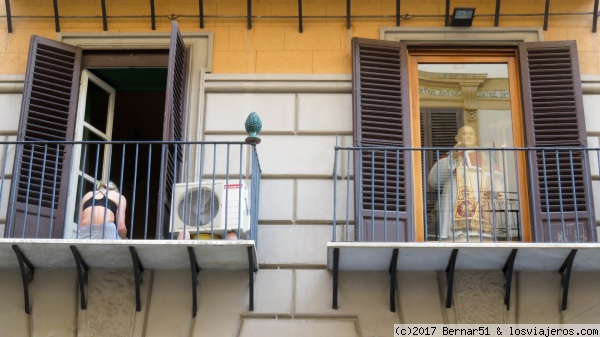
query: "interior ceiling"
133, 79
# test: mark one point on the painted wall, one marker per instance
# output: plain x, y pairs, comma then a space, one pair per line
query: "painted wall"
275, 45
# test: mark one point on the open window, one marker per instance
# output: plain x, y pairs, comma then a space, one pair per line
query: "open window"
55, 110
409, 98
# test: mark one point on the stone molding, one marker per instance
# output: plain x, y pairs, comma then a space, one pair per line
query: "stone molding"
415, 35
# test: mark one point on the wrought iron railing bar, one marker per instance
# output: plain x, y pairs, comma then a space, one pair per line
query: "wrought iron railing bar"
385, 192
227, 190
529, 162
397, 196
372, 195
27, 194
360, 195
163, 149
478, 176
447, 149
108, 192
175, 170
465, 191
212, 196
37, 226
3, 176
199, 188
240, 196
119, 142
505, 195
588, 179
452, 194
186, 217
560, 198
546, 194
118, 215
410, 191
95, 189
84, 148
148, 175
439, 197
520, 212
134, 192
347, 226
335, 175
424, 174
54, 181
574, 194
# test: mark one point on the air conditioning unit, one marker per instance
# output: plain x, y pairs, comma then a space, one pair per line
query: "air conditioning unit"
202, 207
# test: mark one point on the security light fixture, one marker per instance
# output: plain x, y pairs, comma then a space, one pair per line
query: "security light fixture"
462, 17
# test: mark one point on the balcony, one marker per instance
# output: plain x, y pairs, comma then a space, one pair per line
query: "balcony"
187, 205
419, 209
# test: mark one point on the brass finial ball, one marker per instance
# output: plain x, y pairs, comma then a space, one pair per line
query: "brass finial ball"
253, 126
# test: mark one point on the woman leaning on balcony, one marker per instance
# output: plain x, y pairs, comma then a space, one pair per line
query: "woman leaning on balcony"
101, 211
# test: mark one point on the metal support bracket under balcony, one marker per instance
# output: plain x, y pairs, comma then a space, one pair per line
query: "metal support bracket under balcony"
26, 275
565, 273
507, 270
104, 18
249, 14
546, 12
450, 277
251, 271
300, 16
8, 16
56, 16
82, 275
152, 15
195, 268
447, 14
595, 19
397, 13
348, 3
138, 269
393, 281
201, 12
433, 256
336, 264
497, 14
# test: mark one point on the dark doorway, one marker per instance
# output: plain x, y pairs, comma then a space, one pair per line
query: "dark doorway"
138, 116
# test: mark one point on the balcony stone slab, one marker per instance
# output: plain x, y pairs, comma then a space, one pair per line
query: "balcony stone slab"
374, 256
153, 254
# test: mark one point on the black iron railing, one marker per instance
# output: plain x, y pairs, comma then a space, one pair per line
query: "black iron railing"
464, 194
166, 190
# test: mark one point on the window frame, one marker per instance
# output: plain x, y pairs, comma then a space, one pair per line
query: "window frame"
508, 56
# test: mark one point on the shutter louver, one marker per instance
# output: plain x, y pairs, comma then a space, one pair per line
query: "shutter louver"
381, 119
439, 127
553, 107
47, 114
173, 127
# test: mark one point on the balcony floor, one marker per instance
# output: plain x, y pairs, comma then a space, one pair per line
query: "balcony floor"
373, 256
153, 254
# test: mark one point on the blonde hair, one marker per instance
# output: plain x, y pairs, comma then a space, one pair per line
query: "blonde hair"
101, 185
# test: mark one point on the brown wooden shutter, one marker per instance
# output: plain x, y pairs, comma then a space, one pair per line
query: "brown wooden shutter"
439, 127
381, 118
553, 108
38, 196
173, 129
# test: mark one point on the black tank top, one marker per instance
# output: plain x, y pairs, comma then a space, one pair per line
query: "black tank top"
101, 202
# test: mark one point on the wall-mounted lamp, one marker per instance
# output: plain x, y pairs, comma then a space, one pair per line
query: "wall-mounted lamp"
462, 17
